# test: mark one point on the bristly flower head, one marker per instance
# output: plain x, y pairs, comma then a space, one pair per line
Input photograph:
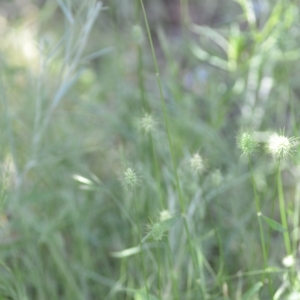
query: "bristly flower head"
281, 146
147, 123
197, 163
156, 231
130, 178
247, 142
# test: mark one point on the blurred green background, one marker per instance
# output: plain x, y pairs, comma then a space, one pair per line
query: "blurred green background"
76, 78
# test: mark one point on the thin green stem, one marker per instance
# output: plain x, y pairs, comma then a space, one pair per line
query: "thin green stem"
159, 271
262, 237
173, 276
181, 200
184, 15
166, 120
140, 244
258, 210
286, 235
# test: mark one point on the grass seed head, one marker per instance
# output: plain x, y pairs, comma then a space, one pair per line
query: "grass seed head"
156, 231
147, 123
197, 163
281, 146
247, 142
164, 215
130, 178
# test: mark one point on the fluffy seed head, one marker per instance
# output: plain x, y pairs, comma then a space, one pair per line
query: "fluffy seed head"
281, 146
197, 163
130, 178
246, 142
147, 123
288, 261
164, 215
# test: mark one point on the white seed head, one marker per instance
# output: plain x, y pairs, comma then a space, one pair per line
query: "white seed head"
246, 142
147, 123
281, 146
197, 163
288, 261
130, 178
164, 215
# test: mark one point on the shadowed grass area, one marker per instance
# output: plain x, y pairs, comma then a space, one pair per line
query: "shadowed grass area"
149, 150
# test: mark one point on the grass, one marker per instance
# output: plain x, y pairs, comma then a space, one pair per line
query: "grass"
123, 171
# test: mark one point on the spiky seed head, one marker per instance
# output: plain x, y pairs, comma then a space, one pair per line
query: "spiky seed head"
247, 142
197, 163
147, 123
130, 178
156, 231
281, 146
138, 34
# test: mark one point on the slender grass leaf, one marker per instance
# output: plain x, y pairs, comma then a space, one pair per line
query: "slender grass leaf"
167, 224
211, 34
66, 11
248, 8
273, 224
213, 60
143, 296
82, 179
98, 53
249, 295
126, 252
139, 295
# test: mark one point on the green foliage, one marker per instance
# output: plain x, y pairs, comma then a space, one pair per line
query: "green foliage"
89, 89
